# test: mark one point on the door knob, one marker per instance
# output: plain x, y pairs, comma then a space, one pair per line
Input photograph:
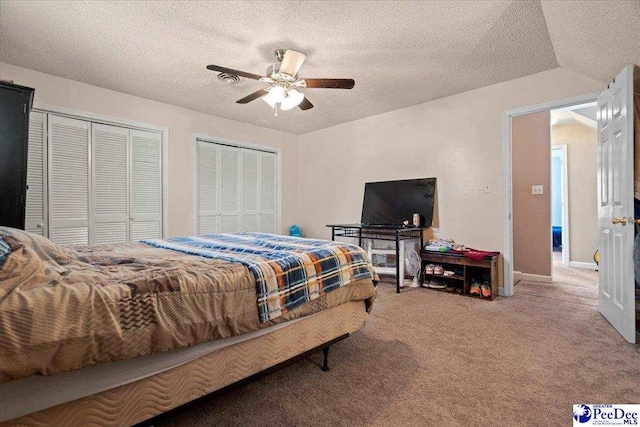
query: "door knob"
40, 225
621, 220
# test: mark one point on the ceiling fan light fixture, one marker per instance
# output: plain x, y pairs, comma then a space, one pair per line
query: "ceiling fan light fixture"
275, 96
293, 99
269, 101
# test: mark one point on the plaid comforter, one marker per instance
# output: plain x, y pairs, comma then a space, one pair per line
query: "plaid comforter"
289, 271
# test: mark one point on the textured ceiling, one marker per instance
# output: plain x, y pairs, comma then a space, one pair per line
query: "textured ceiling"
594, 38
399, 53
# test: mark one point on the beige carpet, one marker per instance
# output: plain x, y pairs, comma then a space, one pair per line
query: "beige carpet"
428, 358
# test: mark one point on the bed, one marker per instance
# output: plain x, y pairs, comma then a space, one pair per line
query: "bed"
117, 334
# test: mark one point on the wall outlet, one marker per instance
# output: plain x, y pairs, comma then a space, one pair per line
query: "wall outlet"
537, 189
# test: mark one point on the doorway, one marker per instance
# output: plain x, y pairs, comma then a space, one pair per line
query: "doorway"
574, 210
554, 202
510, 274
559, 205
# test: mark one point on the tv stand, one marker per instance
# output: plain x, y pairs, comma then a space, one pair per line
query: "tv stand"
392, 233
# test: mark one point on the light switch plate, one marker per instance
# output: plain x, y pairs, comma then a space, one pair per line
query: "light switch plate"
537, 189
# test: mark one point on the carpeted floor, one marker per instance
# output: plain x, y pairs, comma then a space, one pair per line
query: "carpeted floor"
428, 358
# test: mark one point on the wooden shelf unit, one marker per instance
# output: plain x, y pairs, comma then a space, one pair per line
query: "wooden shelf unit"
485, 270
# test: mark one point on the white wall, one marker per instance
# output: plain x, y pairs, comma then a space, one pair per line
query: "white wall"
456, 139
182, 124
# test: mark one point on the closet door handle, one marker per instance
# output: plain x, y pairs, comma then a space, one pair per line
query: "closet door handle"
40, 225
131, 218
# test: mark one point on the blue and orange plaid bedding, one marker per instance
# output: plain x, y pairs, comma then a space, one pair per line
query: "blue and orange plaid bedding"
289, 271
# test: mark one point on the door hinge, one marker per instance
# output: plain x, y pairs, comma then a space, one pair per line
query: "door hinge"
24, 109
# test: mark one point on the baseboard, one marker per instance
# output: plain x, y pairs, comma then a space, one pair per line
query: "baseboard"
585, 265
518, 276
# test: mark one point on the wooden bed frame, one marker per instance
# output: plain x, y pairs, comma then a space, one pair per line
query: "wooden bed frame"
140, 401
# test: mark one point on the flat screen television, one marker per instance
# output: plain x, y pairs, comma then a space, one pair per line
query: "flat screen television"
392, 202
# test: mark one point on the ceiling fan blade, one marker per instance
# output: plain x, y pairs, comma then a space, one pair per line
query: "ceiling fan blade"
232, 71
292, 62
305, 104
330, 83
255, 95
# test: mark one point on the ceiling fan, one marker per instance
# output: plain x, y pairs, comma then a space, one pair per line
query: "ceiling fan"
284, 82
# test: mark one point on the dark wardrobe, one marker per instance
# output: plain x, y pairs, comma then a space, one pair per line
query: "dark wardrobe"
15, 106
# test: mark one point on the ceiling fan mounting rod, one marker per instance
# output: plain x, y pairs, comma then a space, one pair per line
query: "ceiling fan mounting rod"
279, 54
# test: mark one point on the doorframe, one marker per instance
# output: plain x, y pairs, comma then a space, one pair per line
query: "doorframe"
195, 137
507, 174
564, 197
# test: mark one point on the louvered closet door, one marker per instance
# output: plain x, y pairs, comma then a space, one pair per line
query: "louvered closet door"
35, 219
110, 184
146, 185
268, 188
207, 187
68, 141
229, 189
250, 194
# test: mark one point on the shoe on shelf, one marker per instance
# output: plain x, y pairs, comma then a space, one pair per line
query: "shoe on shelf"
438, 270
485, 288
475, 288
429, 269
434, 284
448, 273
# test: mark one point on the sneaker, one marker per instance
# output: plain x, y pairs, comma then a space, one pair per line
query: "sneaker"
486, 290
429, 269
434, 284
475, 288
438, 270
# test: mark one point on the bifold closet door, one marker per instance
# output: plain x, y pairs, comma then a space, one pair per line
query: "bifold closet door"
229, 189
110, 159
236, 189
146, 185
207, 188
268, 193
68, 143
250, 193
36, 214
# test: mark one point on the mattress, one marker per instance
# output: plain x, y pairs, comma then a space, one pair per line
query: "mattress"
137, 401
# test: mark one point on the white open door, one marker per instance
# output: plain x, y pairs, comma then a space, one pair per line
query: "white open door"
615, 204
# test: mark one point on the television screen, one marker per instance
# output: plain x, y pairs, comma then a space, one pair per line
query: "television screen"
392, 202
